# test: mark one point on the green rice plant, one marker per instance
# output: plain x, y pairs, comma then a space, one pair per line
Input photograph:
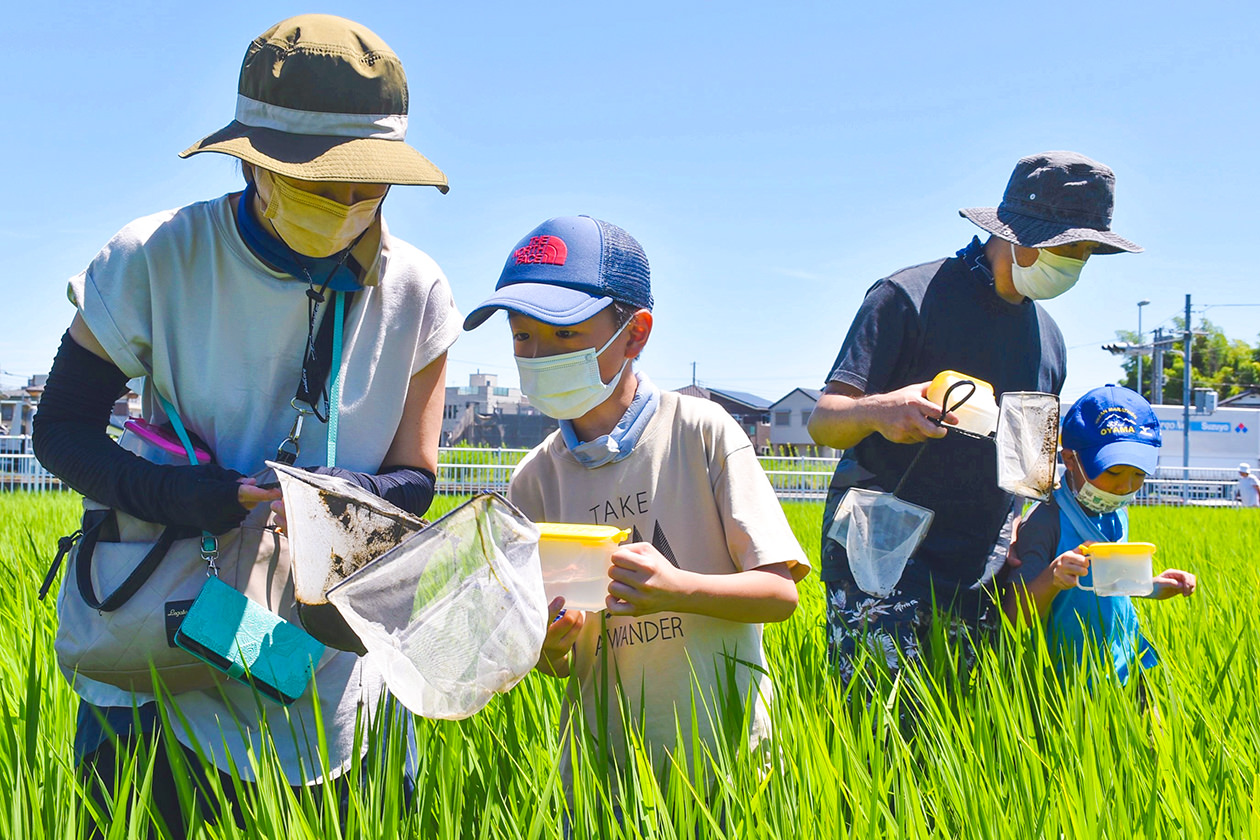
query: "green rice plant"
1003, 748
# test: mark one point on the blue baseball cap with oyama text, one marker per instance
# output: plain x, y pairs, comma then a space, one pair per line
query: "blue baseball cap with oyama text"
566, 270
1112, 426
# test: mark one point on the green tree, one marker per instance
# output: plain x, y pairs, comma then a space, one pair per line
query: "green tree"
1228, 366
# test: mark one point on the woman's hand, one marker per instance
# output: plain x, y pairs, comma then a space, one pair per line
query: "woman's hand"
644, 582
1173, 582
250, 495
562, 634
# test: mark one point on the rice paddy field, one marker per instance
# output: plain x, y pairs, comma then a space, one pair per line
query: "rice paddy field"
1003, 749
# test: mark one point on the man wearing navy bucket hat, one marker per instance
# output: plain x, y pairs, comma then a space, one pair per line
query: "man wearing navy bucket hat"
975, 313
711, 554
1111, 444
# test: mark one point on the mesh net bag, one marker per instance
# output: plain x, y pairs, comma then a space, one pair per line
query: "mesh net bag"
1027, 440
879, 532
456, 612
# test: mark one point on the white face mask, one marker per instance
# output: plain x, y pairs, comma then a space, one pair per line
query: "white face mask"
568, 385
1050, 276
1100, 501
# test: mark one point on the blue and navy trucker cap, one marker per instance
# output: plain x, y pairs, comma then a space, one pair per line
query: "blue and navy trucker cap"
1112, 426
566, 270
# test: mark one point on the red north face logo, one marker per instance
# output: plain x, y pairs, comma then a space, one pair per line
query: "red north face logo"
550, 250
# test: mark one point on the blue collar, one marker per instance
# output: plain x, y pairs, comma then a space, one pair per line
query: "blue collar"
977, 263
340, 270
620, 442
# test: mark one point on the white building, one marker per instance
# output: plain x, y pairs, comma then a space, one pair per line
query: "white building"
18, 406
1219, 439
472, 409
789, 424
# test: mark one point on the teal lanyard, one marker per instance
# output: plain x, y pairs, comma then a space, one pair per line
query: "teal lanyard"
209, 543
334, 390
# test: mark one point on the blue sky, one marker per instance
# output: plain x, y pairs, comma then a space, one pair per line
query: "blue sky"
774, 162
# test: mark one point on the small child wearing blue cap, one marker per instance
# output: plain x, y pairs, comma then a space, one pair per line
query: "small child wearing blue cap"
711, 554
1111, 444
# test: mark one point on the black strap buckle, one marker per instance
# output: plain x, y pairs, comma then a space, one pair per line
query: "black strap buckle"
64, 545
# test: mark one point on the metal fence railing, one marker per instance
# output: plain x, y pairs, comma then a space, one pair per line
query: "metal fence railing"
1178, 491
474, 470
465, 470
19, 469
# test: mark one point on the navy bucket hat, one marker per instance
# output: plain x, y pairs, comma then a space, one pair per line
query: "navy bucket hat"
1055, 198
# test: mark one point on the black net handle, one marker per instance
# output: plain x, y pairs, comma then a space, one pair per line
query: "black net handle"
946, 408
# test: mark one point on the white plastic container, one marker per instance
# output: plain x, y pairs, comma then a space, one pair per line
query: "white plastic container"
979, 414
575, 561
1121, 569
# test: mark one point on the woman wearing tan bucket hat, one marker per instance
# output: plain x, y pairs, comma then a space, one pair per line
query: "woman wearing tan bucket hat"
218, 305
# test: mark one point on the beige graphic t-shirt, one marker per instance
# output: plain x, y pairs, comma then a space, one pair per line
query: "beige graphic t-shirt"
694, 489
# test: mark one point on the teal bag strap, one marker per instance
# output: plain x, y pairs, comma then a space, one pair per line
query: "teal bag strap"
209, 543
334, 390
1085, 527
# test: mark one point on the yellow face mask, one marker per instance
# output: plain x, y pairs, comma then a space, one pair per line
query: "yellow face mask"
311, 224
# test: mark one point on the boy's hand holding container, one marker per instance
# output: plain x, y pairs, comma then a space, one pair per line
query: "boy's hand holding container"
562, 634
1066, 570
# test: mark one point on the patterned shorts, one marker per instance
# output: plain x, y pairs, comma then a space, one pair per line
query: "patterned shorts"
895, 629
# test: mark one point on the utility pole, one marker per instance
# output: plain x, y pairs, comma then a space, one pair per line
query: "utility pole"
1185, 406
1140, 304
1157, 367
693, 374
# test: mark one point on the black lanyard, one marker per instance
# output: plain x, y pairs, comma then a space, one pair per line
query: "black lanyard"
312, 387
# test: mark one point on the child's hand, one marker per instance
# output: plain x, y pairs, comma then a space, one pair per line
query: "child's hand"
1173, 582
643, 581
1066, 569
562, 634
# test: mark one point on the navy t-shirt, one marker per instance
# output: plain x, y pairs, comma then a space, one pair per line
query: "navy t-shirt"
944, 315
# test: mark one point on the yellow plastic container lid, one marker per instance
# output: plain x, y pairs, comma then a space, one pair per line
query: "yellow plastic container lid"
945, 378
1121, 550
978, 412
590, 534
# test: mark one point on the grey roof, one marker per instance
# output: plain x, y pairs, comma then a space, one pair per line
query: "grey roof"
1246, 397
750, 400
813, 393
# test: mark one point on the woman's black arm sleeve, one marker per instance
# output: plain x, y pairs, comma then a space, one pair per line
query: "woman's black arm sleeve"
70, 440
410, 488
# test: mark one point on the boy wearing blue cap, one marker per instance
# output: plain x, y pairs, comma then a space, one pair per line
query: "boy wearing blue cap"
1111, 444
711, 556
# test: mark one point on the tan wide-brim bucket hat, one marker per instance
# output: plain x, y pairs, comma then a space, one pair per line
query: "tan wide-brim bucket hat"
322, 98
